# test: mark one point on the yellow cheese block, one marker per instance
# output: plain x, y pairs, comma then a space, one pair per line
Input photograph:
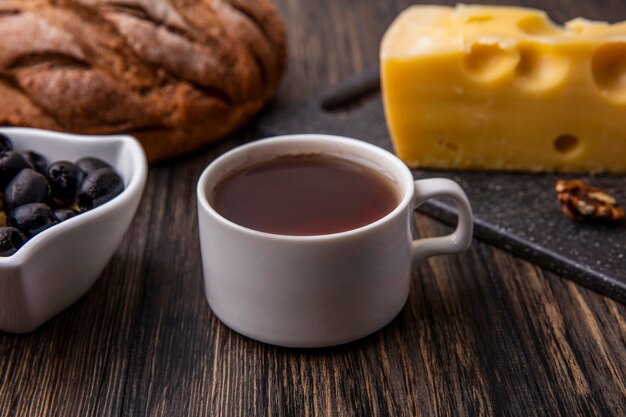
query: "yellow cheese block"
491, 87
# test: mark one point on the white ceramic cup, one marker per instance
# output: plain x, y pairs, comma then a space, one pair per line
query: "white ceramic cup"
323, 290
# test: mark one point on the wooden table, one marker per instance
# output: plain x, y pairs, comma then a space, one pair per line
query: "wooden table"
483, 333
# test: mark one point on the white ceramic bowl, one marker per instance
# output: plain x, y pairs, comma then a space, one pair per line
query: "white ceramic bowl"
56, 267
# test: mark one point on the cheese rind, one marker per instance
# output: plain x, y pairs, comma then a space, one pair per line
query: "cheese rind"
488, 87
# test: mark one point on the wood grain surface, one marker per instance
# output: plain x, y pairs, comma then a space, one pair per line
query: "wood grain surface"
483, 334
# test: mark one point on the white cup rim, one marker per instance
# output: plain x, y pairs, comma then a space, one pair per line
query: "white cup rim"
405, 182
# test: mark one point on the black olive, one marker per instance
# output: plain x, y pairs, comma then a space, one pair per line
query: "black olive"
98, 187
11, 240
36, 160
89, 164
63, 214
28, 186
11, 163
5, 143
32, 218
65, 177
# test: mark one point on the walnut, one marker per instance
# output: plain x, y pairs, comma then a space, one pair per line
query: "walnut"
582, 202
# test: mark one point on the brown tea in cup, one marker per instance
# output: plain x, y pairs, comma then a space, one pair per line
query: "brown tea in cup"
305, 195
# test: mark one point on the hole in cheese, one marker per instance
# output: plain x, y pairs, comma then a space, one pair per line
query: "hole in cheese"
566, 144
487, 62
540, 67
537, 25
608, 66
447, 144
479, 19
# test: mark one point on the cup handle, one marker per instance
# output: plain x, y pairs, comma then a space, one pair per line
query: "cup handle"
461, 238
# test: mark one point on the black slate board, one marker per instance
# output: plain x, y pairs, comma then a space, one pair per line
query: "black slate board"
515, 211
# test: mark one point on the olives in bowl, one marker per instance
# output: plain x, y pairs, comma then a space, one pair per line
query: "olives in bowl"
53, 247
35, 191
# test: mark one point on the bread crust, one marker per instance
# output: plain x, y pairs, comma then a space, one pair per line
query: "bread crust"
176, 74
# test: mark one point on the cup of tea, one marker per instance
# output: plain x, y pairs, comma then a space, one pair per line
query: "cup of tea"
307, 240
